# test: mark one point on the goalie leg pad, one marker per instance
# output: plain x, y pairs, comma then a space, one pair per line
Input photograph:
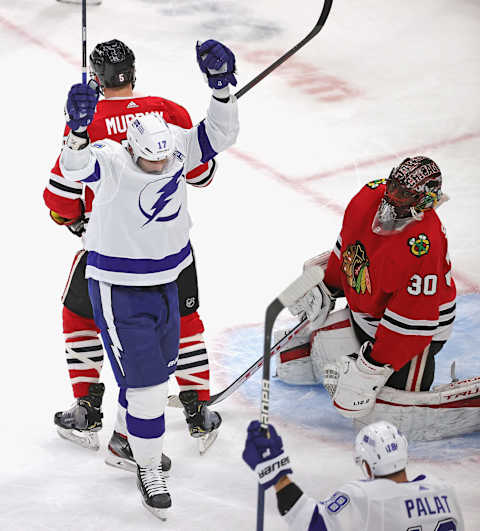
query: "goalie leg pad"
335, 339
294, 364
446, 411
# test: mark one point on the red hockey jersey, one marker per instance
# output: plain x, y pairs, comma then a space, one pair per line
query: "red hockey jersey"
110, 121
399, 287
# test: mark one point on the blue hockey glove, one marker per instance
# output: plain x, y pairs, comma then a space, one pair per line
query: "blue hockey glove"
217, 62
80, 106
265, 455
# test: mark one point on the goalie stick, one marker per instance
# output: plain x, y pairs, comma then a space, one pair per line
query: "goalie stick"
310, 278
315, 30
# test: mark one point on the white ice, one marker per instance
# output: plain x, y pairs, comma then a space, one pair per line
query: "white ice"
381, 81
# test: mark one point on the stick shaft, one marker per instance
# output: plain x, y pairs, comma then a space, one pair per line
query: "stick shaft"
318, 26
84, 42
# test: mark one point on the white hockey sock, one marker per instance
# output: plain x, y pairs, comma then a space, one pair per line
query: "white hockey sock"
146, 423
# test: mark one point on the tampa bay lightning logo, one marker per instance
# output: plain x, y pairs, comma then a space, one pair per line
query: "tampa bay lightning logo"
156, 202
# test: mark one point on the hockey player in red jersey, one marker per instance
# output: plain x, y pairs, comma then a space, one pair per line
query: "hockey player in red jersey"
70, 204
385, 501
391, 263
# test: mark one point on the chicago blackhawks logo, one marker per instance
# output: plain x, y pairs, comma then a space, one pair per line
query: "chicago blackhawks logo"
420, 245
355, 266
376, 183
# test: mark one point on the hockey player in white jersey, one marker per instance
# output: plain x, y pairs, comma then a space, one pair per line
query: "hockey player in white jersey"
385, 501
138, 243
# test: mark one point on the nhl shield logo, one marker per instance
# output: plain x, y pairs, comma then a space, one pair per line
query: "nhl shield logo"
190, 302
419, 246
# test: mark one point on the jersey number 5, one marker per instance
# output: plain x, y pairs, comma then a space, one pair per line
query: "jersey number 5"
426, 285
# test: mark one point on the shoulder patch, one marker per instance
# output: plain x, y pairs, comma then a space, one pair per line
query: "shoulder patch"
337, 502
180, 156
419, 246
376, 183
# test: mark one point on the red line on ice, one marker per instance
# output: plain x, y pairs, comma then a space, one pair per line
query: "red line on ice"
315, 197
39, 42
390, 156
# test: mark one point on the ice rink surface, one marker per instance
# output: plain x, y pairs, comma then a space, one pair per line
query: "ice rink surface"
382, 80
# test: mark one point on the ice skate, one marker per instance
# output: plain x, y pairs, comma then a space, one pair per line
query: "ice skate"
153, 487
119, 455
202, 423
83, 420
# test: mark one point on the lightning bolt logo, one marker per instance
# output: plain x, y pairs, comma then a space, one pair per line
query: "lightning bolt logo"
163, 200
118, 356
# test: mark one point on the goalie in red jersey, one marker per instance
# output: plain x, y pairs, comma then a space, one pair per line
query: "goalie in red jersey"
113, 65
391, 263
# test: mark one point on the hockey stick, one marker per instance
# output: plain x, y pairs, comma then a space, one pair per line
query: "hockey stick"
310, 278
84, 42
316, 29
174, 401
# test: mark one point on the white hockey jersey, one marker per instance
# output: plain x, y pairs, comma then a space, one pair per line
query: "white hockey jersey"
138, 233
381, 505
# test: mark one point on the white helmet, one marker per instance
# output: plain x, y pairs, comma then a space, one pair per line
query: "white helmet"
150, 138
383, 447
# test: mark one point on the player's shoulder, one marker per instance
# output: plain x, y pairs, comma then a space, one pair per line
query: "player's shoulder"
366, 199
107, 145
371, 192
423, 240
169, 104
430, 482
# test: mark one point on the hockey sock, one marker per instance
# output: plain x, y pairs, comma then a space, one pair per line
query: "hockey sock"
84, 351
146, 422
121, 419
192, 368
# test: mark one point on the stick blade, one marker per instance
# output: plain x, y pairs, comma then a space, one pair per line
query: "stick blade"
310, 278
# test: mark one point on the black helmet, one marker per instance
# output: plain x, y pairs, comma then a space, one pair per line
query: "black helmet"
113, 63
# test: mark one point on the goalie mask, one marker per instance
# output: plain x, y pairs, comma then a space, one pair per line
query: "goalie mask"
150, 138
412, 187
382, 447
113, 63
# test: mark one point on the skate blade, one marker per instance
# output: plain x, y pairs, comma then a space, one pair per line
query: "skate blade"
206, 441
161, 514
85, 439
174, 401
121, 463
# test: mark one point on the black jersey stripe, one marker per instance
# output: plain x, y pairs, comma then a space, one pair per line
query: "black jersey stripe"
448, 310
446, 323
408, 326
65, 188
207, 179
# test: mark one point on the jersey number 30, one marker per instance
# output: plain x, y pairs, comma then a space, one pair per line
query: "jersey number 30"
426, 285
